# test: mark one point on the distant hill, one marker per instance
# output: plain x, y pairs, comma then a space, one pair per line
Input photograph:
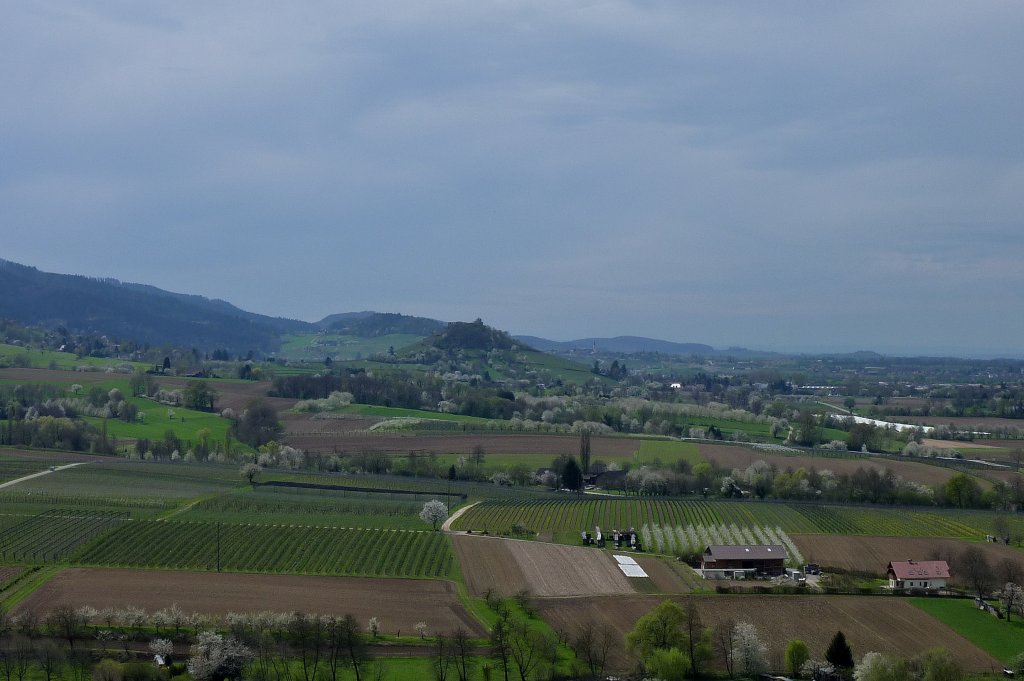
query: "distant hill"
331, 319
378, 324
145, 314
473, 336
624, 344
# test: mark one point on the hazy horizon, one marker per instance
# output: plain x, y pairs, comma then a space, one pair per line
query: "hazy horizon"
792, 177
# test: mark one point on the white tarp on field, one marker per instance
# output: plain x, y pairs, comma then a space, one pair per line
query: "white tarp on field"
624, 560
633, 570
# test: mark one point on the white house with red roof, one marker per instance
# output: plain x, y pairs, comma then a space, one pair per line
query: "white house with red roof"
918, 574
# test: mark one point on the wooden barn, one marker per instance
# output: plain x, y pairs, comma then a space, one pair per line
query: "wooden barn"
743, 562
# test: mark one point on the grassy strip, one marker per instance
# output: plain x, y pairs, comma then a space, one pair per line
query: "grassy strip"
26, 584
1001, 639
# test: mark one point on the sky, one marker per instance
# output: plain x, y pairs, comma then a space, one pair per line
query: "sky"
791, 176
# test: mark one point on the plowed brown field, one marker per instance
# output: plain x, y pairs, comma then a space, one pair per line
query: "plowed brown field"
871, 555
879, 623
399, 603
8, 573
741, 457
549, 570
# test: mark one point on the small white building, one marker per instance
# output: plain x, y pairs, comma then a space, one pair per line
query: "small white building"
918, 574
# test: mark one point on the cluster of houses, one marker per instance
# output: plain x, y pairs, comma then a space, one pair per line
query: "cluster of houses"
749, 561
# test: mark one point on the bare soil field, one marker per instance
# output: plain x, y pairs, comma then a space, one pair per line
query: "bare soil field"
741, 457
47, 455
55, 376
665, 578
545, 570
234, 394
871, 555
1002, 444
8, 573
953, 444
399, 603
878, 623
976, 422
303, 425
504, 443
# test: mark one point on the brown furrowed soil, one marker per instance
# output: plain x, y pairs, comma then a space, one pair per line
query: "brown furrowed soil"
667, 578
871, 555
741, 457
45, 456
399, 603
56, 376
303, 425
545, 570
879, 623
8, 573
505, 443
955, 444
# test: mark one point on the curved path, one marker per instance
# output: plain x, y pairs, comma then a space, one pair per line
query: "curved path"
447, 526
46, 472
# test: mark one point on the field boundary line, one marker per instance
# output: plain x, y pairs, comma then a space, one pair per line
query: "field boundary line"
46, 472
188, 506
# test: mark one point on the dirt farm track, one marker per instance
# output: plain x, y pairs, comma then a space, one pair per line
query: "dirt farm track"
877, 623
399, 603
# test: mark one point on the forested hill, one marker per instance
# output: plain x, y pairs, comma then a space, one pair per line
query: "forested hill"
142, 313
378, 324
474, 336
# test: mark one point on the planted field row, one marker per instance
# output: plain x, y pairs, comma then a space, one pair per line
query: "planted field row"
273, 549
52, 535
584, 514
18, 498
148, 479
308, 507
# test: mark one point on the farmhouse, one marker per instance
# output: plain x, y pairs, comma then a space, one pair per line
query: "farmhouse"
918, 574
743, 561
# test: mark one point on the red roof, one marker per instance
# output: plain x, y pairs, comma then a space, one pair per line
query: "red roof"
920, 569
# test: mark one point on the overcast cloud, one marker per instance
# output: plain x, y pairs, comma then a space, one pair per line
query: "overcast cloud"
787, 176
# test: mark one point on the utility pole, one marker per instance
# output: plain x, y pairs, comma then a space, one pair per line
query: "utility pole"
218, 547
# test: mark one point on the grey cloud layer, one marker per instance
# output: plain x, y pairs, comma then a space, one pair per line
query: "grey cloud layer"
792, 176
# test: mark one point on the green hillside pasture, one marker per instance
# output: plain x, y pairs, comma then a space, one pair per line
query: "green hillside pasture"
569, 371
52, 535
273, 549
186, 423
144, 488
46, 359
276, 505
570, 516
668, 452
315, 348
1001, 639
